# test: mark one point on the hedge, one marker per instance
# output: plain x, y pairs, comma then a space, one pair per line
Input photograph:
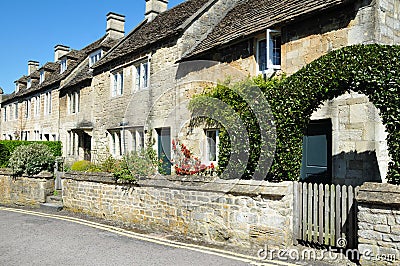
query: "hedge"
8, 146
369, 69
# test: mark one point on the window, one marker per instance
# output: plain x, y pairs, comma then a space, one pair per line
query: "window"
25, 135
135, 140
269, 51
94, 57
47, 103
15, 111
212, 145
29, 83
142, 76
41, 78
117, 83
73, 102
116, 143
36, 107
4, 114
36, 134
28, 108
63, 65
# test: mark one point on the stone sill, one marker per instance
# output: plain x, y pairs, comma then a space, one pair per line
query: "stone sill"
41, 175
379, 194
196, 183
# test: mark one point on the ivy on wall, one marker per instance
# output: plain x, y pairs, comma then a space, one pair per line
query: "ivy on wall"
369, 69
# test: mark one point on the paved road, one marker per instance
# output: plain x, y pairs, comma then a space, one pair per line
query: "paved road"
30, 238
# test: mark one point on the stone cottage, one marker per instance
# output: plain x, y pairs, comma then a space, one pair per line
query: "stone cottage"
139, 90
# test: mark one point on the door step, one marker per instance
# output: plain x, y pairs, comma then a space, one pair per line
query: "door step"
51, 206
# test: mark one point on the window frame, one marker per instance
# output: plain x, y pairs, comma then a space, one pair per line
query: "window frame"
95, 57
41, 77
142, 75
63, 65
268, 53
117, 83
73, 99
207, 147
29, 83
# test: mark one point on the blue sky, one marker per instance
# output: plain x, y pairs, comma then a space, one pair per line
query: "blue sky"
31, 29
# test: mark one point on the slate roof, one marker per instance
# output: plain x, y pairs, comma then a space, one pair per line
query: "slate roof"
253, 16
54, 77
164, 26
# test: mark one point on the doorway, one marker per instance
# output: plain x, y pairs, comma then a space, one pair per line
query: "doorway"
317, 152
164, 149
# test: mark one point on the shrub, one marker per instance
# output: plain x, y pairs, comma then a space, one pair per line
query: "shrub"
31, 159
135, 165
7, 147
81, 166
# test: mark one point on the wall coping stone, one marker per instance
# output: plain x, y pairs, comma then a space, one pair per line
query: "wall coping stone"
379, 194
41, 175
196, 183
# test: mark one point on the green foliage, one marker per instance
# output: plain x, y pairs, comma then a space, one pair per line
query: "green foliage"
134, 165
81, 166
7, 147
369, 69
32, 159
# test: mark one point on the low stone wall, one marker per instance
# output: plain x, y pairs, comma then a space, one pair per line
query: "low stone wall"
379, 224
24, 190
248, 214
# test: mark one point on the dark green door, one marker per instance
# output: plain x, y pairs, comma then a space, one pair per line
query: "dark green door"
317, 152
164, 149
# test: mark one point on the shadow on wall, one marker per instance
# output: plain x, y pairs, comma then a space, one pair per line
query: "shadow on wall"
350, 168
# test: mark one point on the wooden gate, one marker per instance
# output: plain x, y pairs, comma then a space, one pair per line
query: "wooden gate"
325, 214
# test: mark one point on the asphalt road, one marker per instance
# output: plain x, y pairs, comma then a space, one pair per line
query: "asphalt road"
28, 238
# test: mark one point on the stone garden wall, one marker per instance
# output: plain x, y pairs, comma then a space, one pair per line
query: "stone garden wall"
249, 214
379, 224
24, 190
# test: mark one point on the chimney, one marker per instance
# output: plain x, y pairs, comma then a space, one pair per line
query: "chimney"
115, 25
60, 51
154, 8
32, 66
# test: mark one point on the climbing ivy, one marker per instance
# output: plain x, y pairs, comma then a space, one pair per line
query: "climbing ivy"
369, 69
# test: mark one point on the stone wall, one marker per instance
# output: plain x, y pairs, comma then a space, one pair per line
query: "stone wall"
248, 214
379, 223
359, 146
26, 191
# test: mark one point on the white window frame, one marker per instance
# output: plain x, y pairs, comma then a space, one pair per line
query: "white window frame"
207, 148
36, 107
5, 113
28, 105
64, 65
117, 83
135, 139
47, 103
29, 83
269, 52
42, 77
73, 102
116, 143
95, 56
142, 75
15, 111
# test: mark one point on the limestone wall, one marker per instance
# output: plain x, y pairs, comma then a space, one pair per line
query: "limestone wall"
242, 214
27, 191
379, 224
359, 146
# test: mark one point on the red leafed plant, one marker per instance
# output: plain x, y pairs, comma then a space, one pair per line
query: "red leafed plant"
186, 164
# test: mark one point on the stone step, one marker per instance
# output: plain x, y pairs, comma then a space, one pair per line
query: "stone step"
54, 199
51, 206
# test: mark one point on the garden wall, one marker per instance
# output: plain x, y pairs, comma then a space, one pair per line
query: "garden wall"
24, 190
379, 224
248, 214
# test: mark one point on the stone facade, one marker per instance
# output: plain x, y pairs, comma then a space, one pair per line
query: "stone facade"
359, 147
379, 224
25, 191
248, 214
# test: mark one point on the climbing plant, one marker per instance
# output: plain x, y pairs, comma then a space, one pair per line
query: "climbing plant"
369, 69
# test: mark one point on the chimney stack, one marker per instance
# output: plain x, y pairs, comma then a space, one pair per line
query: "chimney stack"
32, 66
115, 25
60, 51
154, 8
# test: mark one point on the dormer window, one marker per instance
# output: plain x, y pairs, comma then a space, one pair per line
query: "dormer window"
269, 51
94, 57
29, 83
63, 65
41, 78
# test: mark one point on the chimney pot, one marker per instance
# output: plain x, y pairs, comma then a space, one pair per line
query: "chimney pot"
154, 8
32, 66
60, 51
115, 25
